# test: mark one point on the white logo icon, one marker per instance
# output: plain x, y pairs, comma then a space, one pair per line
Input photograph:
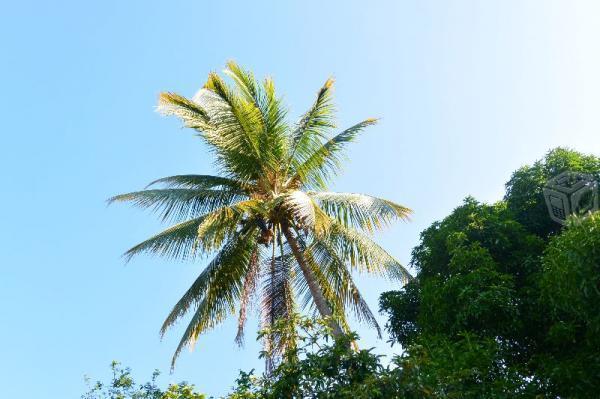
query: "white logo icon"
571, 193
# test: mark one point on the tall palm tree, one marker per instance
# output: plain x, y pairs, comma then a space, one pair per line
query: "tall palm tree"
273, 228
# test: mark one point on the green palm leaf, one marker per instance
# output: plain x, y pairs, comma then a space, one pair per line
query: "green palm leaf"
362, 253
179, 203
274, 137
325, 161
216, 291
313, 125
238, 120
201, 182
221, 224
178, 241
342, 283
191, 114
360, 210
246, 82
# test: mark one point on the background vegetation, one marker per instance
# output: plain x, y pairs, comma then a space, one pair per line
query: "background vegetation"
504, 304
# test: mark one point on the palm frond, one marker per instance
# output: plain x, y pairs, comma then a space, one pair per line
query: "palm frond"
362, 253
241, 120
233, 131
178, 203
248, 290
313, 126
278, 293
245, 81
175, 242
216, 290
201, 182
338, 275
191, 113
273, 139
360, 210
324, 162
222, 223
199, 235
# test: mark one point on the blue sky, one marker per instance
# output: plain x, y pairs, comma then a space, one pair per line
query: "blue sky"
468, 91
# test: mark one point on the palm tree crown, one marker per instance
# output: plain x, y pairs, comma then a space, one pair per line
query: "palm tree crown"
273, 229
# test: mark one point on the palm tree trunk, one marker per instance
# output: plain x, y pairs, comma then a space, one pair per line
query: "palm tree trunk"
316, 292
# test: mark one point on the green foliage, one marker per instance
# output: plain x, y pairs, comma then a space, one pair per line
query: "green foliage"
524, 194
462, 318
321, 368
435, 367
318, 367
464, 367
475, 297
267, 219
498, 310
475, 270
570, 285
122, 386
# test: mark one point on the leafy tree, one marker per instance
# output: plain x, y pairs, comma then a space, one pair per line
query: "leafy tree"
497, 311
463, 367
267, 218
473, 269
570, 285
462, 317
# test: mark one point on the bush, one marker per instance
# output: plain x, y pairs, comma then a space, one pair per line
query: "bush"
123, 386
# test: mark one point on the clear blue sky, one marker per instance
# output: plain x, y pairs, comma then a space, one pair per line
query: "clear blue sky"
468, 92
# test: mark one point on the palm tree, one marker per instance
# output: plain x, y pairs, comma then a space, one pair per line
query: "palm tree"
268, 220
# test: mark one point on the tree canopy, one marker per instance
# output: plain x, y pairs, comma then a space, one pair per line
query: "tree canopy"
507, 293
